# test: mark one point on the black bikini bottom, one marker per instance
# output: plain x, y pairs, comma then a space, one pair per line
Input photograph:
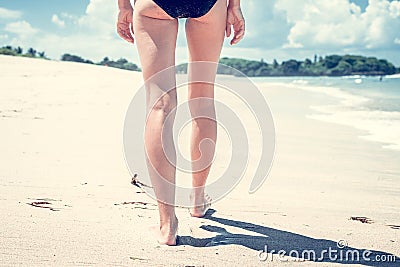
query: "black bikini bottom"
186, 8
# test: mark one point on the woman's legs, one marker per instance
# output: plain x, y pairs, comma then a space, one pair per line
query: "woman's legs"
205, 37
155, 35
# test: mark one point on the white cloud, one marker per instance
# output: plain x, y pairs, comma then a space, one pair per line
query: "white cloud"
71, 17
100, 17
341, 24
3, 37
90, 47
382, 20
92, 35
21, 28
9, 14
266, 26
395, 9
56, 20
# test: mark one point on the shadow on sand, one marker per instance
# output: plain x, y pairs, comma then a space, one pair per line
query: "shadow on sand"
274, 240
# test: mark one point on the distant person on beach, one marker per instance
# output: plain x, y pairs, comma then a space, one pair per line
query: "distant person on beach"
154, 27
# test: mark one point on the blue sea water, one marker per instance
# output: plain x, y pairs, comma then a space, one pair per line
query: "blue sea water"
371, 104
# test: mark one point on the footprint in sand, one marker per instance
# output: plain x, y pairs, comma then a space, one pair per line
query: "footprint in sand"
47, 203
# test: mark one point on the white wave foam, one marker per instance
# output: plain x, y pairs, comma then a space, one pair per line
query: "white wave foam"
394, 76
380, 126
346, 98
300, 82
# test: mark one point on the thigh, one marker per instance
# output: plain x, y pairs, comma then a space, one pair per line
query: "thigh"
205, 35
155, 37
155, 34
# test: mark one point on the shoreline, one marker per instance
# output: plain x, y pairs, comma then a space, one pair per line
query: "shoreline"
350, 109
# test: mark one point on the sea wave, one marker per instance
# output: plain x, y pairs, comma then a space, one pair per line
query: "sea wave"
380, 126
394, 76
354, 110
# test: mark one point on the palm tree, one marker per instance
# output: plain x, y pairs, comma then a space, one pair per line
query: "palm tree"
19, 50
42, 54
32, 52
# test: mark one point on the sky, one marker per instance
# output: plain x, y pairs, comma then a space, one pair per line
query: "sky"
275, 29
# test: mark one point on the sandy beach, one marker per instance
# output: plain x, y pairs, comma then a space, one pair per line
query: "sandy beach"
66, 197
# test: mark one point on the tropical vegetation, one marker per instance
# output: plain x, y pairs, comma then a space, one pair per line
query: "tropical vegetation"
332, 65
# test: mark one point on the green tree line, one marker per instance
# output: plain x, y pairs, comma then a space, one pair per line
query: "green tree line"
18, 51
332, 65
121, 63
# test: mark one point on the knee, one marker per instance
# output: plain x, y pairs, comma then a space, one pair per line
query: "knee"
202, 107
165, 104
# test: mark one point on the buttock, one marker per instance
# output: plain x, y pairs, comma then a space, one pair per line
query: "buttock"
186, 8
148, 8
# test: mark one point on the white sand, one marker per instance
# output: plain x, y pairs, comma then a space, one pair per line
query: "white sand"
61, 142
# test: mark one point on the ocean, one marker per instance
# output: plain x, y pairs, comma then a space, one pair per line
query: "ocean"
371, 104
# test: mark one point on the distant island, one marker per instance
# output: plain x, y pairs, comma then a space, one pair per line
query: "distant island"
332, 65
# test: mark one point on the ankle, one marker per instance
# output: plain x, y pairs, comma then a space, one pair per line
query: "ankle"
169, 223
197, 192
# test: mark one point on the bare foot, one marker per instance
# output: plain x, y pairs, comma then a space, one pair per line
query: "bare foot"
166, 234
200, 205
